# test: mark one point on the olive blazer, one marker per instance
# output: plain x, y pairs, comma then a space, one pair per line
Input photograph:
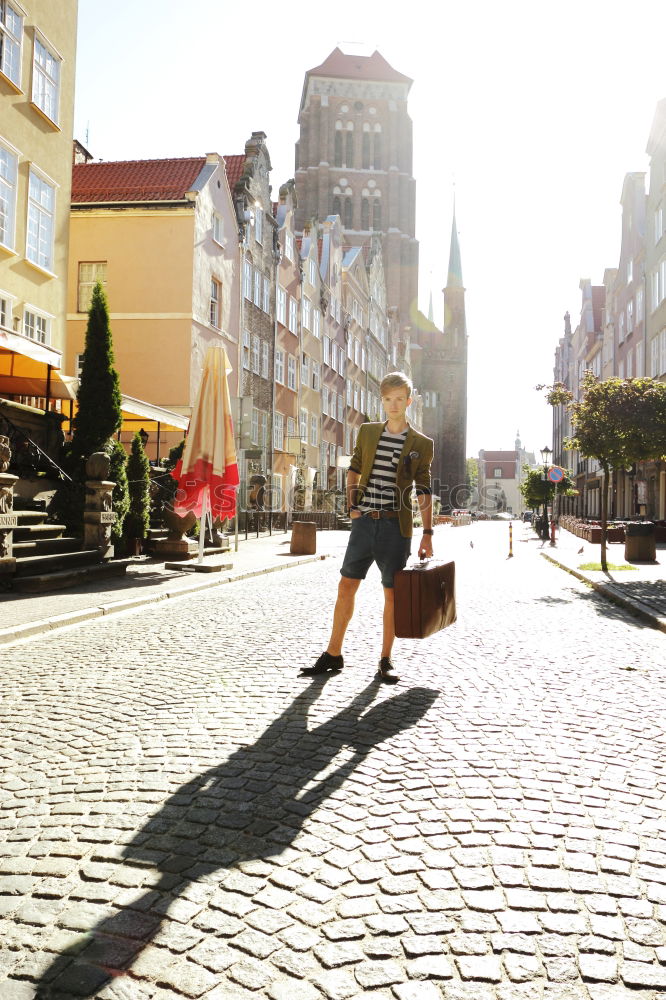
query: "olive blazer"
413, 467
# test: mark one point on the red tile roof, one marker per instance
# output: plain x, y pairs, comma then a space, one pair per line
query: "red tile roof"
135, 180
234, 165
352, 67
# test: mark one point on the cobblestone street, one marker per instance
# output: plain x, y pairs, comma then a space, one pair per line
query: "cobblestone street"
182, 815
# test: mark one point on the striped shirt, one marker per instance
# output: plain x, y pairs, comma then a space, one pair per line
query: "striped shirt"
381, 492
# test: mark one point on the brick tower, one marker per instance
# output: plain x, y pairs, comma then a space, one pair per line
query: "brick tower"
354, 159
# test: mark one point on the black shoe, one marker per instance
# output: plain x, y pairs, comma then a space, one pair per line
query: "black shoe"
385, 671
324, 664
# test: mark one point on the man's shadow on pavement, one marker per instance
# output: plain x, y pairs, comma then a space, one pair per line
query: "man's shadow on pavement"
250, 807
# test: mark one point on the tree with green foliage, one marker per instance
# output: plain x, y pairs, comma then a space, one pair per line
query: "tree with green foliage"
537, 490
98, 417
472, 465
617, 422
99, 413
120, 496
138, 476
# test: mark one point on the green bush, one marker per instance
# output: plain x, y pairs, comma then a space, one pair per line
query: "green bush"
138, 476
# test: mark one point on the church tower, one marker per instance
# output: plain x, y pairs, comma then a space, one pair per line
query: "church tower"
451, 459
354, 159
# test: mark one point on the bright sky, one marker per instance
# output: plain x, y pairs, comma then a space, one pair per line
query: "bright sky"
535, 111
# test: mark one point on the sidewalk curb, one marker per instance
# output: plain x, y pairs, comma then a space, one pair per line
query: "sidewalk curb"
37, 628
607, 590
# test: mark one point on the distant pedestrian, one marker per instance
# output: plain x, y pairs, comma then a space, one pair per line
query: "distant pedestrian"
389, 459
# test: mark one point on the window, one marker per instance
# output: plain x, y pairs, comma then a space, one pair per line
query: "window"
662, 352
314, 429
279, 367
312, 271
305, 370
658, 224
356, 399
90, 272
337, 152
324, 400
349, 392
348, 213
266, 302
327, 350
364, 360
289, 246
41, 211
316, 375
377, 215
639, 360
362, 400
316, 323
263, 429
365, 156
259, 225
662, 280
357, 352
621, 369
654, 356
620, 327
8, 173
304, 425
282, 306
5, 310
264, 360
46, 80
348, 437
218, 229
365, 214
639, 304
630, 271
254, 430
11, 34
334, 356
306, 313
293, 314
655, 290
247, 278
349, 151
278, 432
341, 409
291, 429
36, 325
257, 288
630, 364
497, 474
78, 365
215, 299
291, 373
246, 349
255, 353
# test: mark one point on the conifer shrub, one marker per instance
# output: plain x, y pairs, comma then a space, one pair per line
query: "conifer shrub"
138, 476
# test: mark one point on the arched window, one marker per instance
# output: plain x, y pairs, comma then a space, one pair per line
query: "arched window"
338, 149
366, 147
377, 214
348, 213
337, 210
349, 153
377, 155
365, 213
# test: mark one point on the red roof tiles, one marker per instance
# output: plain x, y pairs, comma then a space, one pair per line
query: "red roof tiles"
352, 67
234, 165
120, 181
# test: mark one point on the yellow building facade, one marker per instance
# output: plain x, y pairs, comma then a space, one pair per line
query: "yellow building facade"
37, 70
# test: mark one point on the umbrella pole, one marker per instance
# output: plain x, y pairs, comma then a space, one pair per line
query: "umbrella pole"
202, 523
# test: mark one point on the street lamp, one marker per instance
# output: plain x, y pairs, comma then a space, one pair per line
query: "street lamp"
546, 452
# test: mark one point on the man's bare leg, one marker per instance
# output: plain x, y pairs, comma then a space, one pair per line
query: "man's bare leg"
385, 665
342, 614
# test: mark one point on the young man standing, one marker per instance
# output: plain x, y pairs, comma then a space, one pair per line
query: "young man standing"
389, 459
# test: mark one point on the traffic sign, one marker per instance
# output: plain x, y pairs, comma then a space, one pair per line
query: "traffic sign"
555, 474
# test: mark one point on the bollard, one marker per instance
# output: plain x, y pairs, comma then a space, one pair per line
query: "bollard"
510, 556
303, 538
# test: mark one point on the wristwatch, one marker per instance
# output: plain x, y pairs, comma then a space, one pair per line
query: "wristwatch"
428, 531
352, 506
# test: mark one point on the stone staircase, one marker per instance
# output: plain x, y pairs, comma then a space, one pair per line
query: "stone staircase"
48, 559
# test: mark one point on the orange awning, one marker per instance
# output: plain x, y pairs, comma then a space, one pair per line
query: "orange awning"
24, 368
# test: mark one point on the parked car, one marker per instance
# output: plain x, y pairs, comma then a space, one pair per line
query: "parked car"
527, 516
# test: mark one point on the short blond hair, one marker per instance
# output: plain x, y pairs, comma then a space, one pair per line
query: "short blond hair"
396, 380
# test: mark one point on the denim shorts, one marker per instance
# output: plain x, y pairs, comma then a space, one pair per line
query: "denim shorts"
375, 540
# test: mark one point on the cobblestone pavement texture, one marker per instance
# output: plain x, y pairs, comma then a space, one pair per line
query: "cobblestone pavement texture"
642, 587
181, 815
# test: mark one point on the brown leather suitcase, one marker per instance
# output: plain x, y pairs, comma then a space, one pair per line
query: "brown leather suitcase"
425, 598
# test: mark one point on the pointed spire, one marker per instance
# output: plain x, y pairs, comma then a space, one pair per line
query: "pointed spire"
454, 278
431, 316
